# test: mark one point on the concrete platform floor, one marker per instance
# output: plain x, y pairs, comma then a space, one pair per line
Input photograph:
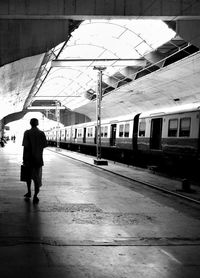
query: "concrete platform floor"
91, 223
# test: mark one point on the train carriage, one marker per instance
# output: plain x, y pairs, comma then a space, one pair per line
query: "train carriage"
151, 137
173, 133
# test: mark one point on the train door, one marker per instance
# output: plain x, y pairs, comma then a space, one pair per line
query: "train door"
75, 135
95, 135
84, 135
113, 135
135, 131
198, 116
156, 133
58, 135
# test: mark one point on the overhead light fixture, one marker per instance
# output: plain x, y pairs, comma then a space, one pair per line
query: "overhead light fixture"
97, 62
53, 98
46, 107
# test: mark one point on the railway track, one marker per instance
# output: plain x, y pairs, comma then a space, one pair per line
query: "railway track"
149, 184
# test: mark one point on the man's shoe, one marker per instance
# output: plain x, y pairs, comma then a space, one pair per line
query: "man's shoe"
27, 195
35, 200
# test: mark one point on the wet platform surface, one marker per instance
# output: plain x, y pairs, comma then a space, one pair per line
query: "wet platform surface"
92, 223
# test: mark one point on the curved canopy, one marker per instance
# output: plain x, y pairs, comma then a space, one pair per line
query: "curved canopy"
74, 83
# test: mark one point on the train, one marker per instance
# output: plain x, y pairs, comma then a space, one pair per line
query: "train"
168, 138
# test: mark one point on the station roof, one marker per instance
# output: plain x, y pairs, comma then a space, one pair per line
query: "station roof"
146, 64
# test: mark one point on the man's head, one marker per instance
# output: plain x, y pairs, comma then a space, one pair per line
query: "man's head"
34, 122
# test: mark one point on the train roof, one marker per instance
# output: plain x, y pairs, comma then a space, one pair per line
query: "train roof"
108, 120
152, 113
171, 110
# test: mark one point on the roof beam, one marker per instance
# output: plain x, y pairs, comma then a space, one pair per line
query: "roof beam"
77, 9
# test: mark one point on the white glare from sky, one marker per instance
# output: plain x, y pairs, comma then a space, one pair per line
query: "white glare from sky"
102, 39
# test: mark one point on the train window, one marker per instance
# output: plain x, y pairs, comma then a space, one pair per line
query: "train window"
54, 135
79, 132
126, 132
121, 130
102, 131
105, 131
142, 127
90, 132
173, 128
57, 135
184, 130
63, 134
67, 133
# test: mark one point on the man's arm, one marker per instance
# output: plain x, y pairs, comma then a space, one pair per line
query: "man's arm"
25, 139
44, 140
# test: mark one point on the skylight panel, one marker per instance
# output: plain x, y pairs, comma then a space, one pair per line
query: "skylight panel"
76, 85
143, 48
100, 28
121, 22
130, 38
81, 51
84, 78
70, 73
111, 70
102, 39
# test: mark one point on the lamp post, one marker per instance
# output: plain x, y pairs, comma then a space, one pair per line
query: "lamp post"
58, 125
98, 160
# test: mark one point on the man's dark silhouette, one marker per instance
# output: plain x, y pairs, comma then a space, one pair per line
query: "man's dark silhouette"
34, 142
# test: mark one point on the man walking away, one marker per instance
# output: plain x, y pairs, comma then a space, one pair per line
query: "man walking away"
34, 142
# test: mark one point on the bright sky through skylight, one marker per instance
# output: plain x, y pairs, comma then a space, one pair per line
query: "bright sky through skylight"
102, 39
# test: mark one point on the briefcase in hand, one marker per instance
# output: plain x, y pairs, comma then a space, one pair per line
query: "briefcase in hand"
24, 173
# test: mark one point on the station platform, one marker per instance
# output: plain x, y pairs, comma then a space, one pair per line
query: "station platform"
90, 222
144, 176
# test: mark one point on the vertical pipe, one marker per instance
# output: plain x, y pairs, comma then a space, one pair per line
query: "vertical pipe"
58, 124
98, 111
99, 88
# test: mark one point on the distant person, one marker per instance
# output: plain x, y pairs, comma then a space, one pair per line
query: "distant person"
34, 142
2, 141
14, 137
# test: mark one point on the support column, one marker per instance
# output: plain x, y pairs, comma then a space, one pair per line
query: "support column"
98, 160
58, 125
